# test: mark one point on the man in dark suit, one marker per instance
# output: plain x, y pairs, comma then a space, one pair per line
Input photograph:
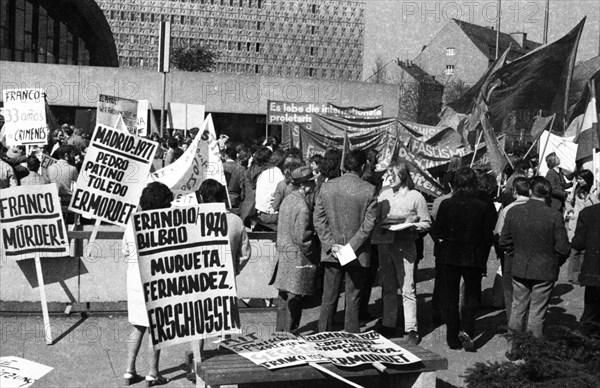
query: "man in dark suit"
557, 181
345, 212
587, 237
535, 237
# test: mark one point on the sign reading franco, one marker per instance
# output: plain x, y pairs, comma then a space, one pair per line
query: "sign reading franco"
25, 117
280, 351
280, 112
31, 223
110, 107
113, 175
187, 273
19, 372
349, 349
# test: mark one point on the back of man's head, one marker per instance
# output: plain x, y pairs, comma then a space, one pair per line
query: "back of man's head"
521, 186
33, 163
355, 160
540, 187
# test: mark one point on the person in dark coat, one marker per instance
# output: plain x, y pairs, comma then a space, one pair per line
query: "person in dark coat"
556, 178
587, 237
295, 272
464, 228
345, 212
534, 235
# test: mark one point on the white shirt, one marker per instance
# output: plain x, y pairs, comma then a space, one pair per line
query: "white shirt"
266, 184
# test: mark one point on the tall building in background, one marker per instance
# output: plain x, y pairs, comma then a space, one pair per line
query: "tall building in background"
299, 38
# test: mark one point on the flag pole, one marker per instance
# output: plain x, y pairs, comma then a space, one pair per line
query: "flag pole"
475, 150
538, 138
546, 20
498, 28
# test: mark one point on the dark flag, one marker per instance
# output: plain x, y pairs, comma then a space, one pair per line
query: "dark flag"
538, 80
540, 124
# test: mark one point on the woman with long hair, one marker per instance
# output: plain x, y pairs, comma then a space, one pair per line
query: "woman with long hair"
578, 199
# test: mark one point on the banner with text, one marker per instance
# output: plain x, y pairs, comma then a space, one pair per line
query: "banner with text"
113, 175
24, 117
19, 372
200, 161
354, 112
349, 349
32, 223
187, 273
109, 109
280, 351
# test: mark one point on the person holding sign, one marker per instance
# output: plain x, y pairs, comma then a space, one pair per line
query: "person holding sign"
400, 203
154, 196
295, 271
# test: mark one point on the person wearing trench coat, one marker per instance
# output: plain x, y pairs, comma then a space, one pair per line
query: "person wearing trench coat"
295, 272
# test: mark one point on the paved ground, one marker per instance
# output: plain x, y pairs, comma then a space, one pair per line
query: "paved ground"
91, 351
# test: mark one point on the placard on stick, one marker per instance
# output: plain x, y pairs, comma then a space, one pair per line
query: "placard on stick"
25, 117
19, 372
32, 226
113, 175
187, 273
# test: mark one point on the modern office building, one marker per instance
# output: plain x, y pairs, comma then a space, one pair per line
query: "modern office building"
67, 32
299, 38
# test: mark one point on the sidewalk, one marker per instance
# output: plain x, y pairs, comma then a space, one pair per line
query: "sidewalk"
92, 351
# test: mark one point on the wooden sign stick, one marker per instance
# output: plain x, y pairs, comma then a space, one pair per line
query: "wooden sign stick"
335, 375
40, 278
92, 238
380, 367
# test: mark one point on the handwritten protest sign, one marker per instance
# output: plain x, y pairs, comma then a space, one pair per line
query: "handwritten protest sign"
280, 351
25, 117
187, 273
113, 175
142, 118
199, 162
349, 349
110, 107
19, 372
32, 222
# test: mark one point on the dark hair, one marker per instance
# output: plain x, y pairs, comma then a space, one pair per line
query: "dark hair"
291, 163
33, 163
156, 196
231, 153
277, 158
587, 176
487, 184
552, 160
262, 156
521, 186
155, 136
64, 150
330, 164
521, 167
243, 156
211, 191
295, 151
465, 182
355, 160
540, 187
316, 158
403, 174
173, 142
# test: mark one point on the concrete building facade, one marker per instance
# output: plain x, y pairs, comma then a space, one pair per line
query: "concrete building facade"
286, 38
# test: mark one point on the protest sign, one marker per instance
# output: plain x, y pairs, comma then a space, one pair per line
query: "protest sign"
353, 112
564, 148
279, 112
113, 175
25, 117
187, 273
280, 351
19, 372
185, 116
142, 118
32, 222
349, 349
110, 107
200, 161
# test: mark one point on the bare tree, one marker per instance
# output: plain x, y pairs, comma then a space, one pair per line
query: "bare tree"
453, 90
379, 73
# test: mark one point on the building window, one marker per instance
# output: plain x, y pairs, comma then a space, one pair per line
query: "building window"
449, 69
258, 47
314, 8
312, 51
450, 51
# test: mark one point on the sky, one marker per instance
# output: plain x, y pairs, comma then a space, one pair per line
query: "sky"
400, 28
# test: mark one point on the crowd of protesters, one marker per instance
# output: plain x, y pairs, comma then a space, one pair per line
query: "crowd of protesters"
327, 210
